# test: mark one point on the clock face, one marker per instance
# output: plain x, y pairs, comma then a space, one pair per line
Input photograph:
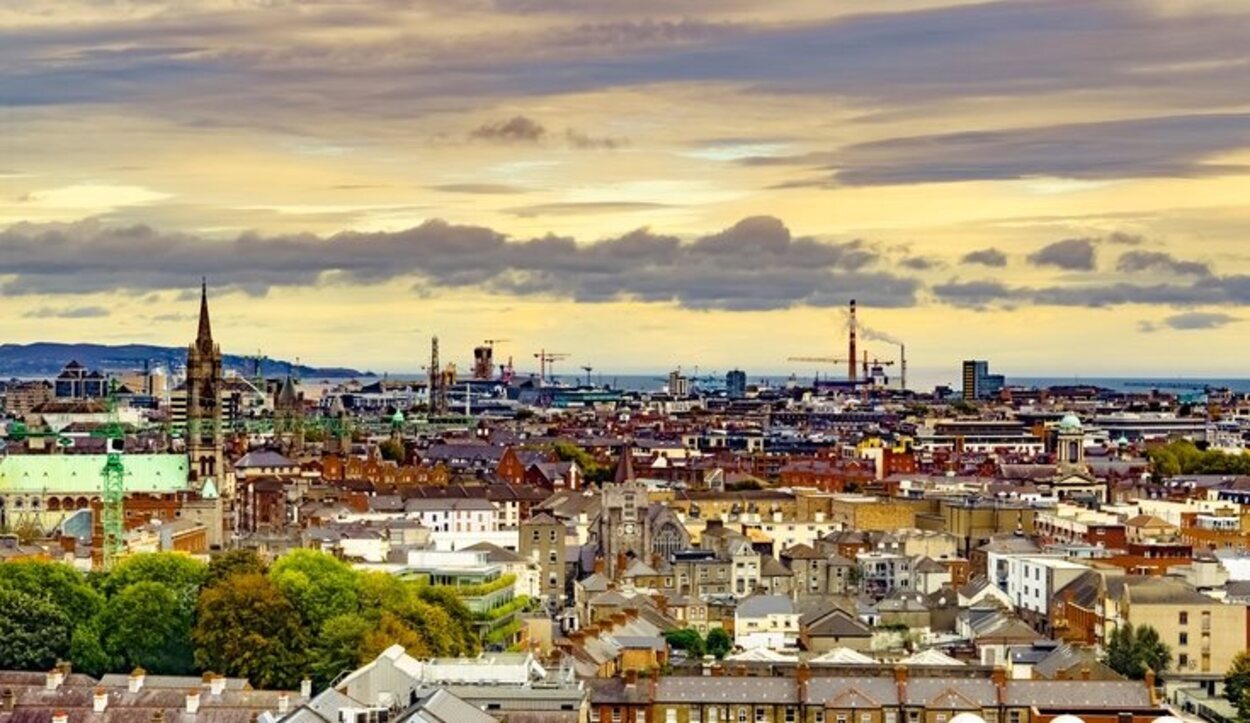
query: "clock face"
629, 528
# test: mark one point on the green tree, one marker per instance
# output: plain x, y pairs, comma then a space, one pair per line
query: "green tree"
246, 627
319, 585
1151, 650
245, 561
1131, 651
392, 630
337, 648
1237, 684
57, 583
86, 652
719, 642
34, 633
146, 626
393, 450
687, 640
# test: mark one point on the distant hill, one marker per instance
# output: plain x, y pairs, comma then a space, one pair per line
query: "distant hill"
45, 359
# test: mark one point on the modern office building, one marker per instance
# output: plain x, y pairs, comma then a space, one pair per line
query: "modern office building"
978, 382
736, 384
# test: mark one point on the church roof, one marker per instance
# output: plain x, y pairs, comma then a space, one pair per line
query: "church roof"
81, 473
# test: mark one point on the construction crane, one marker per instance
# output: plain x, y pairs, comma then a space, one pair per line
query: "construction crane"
547, 359
484, 359
113, 476
588, 369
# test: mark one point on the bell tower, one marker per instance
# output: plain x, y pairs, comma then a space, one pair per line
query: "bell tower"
205, 436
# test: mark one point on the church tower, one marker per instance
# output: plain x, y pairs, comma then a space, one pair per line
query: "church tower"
205, 435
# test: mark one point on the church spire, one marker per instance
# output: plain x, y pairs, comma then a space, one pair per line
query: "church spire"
204, 338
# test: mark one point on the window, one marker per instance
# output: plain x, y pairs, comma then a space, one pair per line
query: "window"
616, 715
940, 718
820, 715
841, 718
890, 717
670, 715
1013, 716
865, 718
1184, 639
1184, 617
640, 716
760, 715
594, 714
1182, 661
713, 715
695, 715
742, 715
789, 714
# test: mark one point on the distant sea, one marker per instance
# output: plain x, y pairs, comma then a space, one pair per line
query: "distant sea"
656, 382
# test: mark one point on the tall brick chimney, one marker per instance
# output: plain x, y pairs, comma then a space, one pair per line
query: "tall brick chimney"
802, 674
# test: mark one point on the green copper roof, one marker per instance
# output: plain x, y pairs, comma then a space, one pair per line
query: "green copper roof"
81, 473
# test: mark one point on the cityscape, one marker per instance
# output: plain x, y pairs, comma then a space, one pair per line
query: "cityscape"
696, 361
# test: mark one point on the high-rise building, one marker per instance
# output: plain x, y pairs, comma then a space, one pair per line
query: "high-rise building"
978, 382
736, 384
205, 436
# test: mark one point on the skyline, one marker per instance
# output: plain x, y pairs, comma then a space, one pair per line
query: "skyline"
681, 183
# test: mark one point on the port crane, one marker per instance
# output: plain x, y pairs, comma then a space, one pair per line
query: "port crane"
547, 359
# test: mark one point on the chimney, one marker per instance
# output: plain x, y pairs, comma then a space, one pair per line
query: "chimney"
217, 684
1150, 687
136, 680
60, 716
284, 703
900, 673
631, 677
802, 674
8, 699
65, 667
1085, 672
53, 680
305, 688
740, 671
599, 566
718, 670
100, 699
158, 716
193, 701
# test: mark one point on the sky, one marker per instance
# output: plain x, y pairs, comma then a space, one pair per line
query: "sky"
1058, 187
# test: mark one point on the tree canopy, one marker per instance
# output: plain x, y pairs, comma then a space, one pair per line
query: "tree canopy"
34, 633
1131, 651
1237, 685
1184, 457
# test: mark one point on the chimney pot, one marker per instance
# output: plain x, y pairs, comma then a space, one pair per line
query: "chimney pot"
217, 684
60, 716
284, 703
305, 688
53, 680
135, 683
631, 677
193, 702
100, 699
8, 699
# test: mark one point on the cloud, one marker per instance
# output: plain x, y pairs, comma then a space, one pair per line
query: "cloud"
480, 188
1232, 290
583, 208
75, 312
1191, 321
1074, 254
517, 129
1173, 146
580, 140
919, 263
755, 264
1135, 261
985, 257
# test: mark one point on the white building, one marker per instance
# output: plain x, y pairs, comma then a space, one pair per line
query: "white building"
1033, 580
766, 621
461, 515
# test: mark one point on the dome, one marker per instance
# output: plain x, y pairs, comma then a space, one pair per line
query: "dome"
1066, 718
397, 417
1123, 442
1070, 423
967, 718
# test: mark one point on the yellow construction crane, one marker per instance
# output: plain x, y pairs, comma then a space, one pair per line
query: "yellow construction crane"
547, 359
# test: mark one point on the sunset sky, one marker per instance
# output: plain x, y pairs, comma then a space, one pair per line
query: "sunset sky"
1060, 187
